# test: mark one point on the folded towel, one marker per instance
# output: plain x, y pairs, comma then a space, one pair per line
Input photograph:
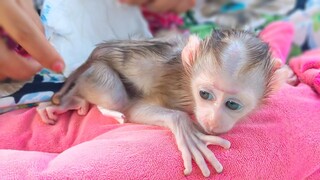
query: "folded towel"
279, 35
307, 68
279, 141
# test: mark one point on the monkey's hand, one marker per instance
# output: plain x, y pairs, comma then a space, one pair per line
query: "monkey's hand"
115, 114
193, 144
191, 141
292, 78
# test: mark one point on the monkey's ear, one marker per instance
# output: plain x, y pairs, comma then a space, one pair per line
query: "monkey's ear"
279, 77
189, 51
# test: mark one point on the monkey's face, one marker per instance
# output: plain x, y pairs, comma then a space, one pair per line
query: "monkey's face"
221, 102
229, 75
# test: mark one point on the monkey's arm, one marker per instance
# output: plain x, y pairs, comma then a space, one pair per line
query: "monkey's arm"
191, 142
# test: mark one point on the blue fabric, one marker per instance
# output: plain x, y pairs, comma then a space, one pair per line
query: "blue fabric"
40, 89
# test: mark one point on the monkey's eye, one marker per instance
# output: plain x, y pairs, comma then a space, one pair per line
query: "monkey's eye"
205, 95
233, 105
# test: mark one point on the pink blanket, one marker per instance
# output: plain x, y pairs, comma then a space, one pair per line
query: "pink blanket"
307, 68
279, 141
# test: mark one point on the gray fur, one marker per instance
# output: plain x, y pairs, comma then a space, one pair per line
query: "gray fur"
152, 68
149, 69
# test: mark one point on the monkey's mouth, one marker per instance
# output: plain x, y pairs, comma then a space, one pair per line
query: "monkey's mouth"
204, 127
211, 131
204, 130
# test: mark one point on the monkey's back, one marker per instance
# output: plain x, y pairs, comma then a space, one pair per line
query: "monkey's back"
149, 69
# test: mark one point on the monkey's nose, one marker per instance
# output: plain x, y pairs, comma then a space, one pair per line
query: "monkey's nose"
211, 127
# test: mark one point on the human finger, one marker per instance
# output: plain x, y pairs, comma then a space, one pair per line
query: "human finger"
161, 5
2, 77
28, 7
15, 66
135, 2
184, 6
24, 31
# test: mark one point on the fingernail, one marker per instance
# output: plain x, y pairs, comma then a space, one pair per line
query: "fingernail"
228, 145
186, 171
219, 168
58, 67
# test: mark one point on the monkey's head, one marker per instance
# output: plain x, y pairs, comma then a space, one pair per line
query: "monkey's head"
231, 73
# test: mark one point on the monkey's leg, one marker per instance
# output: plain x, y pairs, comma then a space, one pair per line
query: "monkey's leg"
191, 142
104, 88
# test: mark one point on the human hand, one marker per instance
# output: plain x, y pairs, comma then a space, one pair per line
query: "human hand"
177, 6
20, 21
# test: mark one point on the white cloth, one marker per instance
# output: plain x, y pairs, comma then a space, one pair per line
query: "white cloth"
306, 25
74, 27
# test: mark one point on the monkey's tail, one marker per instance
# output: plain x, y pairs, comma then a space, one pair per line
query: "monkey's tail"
69, 83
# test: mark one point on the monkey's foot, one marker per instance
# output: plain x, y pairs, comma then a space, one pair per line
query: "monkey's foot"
115, 114
83, 108
48, 112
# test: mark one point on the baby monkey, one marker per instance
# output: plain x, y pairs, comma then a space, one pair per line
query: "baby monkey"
165, 82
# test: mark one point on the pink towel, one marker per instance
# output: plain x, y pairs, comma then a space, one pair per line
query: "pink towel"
307, 68
280, 141
279, 35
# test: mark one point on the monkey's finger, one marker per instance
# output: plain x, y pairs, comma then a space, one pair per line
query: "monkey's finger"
48, 121
28, 7
183, 7
214, 140
41, 111
185, 153
197, 155
187, 160
15, 66
211, 158
293, 80
24, 31
51, 113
